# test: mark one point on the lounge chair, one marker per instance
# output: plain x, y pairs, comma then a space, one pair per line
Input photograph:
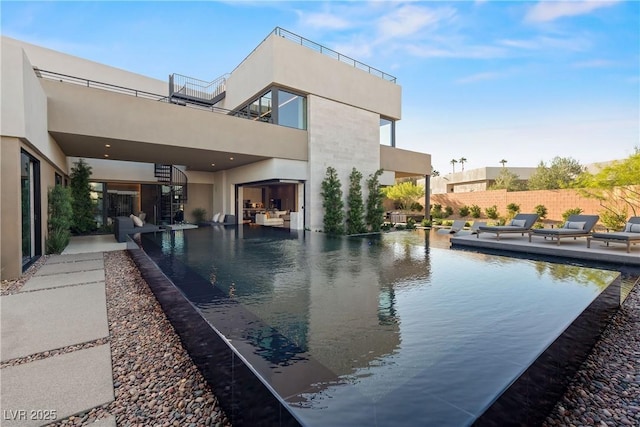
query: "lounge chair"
473, 230
576, 226
457, 225
630, 234
521, 223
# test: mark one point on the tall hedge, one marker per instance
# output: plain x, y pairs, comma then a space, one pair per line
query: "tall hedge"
355, 212
332, 203
83, 221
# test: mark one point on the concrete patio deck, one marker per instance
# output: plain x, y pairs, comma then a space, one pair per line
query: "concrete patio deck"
568, 248
61, 305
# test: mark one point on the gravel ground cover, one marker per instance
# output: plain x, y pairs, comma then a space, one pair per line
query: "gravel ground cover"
157, 384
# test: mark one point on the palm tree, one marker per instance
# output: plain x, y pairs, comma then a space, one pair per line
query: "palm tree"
462, 162
435, 172
453, 163
503, 161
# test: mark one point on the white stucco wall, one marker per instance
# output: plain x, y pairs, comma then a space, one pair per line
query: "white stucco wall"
342, 137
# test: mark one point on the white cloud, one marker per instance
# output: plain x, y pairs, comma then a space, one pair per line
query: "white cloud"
545, 11
411, 19
570, 43
322, 20
455, 50
480, 77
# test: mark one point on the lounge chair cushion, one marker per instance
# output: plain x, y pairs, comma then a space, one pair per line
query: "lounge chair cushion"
632, 228
518, 222
574, 225
136, 221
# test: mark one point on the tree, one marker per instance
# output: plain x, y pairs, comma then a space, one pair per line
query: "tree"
503, 161
561, 173
507, 180
462, 161
375, 209
616, 187
332, 203
453, 163
404, 193
83, 221
355, 212
60, 214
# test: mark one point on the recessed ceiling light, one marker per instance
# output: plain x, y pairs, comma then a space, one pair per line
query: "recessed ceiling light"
106, 155
107, 145
230, 158
213, 164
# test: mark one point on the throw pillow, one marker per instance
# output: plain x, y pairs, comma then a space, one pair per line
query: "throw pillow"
216, 216
575, 225
518, 222
136, 221
221, 219
635, 228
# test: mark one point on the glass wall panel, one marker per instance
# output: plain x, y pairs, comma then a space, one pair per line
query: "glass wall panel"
30, 208
266, 108
292, 110
387, 132
97, 203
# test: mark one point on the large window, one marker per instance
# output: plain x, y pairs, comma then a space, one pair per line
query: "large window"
291, 110
387, 132
30, 200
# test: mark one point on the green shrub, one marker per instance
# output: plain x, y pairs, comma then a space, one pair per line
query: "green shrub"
415, 206
436, 211
569, 212
411, 224
541, 210
425, 223
448, 211
614, 221
83, 221
60, 213
475, 211
538, 225
386, 226
355, 203
374, 215
464, 211
199, 214
400, 227
492, 212
513, 209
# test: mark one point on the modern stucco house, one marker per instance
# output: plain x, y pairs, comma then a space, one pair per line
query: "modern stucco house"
259, 137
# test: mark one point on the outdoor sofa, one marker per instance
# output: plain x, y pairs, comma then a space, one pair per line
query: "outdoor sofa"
224, 219
575, 226
124, 225
629, 235
521, 223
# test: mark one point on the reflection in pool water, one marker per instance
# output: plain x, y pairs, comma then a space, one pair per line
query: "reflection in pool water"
378, 330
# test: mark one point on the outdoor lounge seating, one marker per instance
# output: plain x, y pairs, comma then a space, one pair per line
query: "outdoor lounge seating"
576, 226
521, 223
220, 219
124, 225
473, 229
629, 235
457, 225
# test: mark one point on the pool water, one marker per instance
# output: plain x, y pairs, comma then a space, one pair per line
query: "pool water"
377, 330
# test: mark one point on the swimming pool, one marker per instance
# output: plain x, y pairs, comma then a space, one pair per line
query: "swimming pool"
378, 330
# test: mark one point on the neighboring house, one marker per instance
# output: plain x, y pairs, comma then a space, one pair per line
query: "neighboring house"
260, 137
473, 179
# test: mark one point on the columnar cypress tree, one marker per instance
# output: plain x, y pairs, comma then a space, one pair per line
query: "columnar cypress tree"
375, 210
83, 221
355, 213
332, 203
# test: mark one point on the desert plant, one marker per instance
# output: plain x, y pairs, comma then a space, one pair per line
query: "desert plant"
425, 223
613, 220
386, 226
60, 213
355, 211
541, 210
436, 211
404, 194
448, 211
83, 221
374, 216
475, 211
573, 211
199, 214
411, 224
492, 212
415, 206
464, 211
332, 203
513, 209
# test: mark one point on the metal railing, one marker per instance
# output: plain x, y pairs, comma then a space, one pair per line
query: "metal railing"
64, 78
190, 87
331, 53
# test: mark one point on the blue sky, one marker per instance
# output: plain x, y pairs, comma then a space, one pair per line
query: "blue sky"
484, 80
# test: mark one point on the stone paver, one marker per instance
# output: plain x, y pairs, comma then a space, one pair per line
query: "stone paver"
58, 387
57, 280
69, 267
56, 259
34, 322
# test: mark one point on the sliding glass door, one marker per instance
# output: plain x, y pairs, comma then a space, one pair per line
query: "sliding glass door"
31, 222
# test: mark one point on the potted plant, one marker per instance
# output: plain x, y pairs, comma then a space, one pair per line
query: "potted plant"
199, 215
